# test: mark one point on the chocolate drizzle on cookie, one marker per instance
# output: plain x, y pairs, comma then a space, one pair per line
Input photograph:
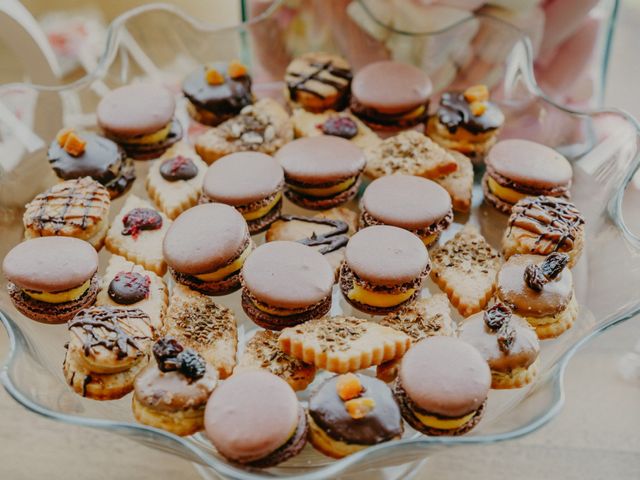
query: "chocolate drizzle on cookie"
141, 219
553, 219
455, 111
104, 327
325, 73
332, 240
178, 168
128, 288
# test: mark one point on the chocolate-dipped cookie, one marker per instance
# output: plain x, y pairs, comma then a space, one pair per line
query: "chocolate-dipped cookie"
350, 412
98, 157
50, 279
442, 386
520, 168
391, 95
285, 284
318, 81
466, 122
540, 289
321, 172
171, 393
254, 419
206, 247
251, 182
508, 344
543, 225
416, 204
140, 118
384, 268
217, 92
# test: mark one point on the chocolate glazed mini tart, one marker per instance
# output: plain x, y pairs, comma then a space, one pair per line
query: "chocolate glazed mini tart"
350, 412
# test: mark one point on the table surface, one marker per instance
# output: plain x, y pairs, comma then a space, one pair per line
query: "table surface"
596, 435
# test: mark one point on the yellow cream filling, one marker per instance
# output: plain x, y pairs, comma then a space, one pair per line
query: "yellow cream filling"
272, 311
325, 191
226, 270
261, 212
60, 297
504, 193
442, 423
154, 137
378, 299
429, 239
414, 113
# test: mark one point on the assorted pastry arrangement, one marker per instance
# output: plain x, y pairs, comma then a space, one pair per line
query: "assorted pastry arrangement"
154, 323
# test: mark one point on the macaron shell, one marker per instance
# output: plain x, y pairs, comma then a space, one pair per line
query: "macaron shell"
320, 159
205, 238
529, 163
50, 264
406, 201
385, 255
242, 178
288, 275
391, 87
251, 415
136, 109
445, 376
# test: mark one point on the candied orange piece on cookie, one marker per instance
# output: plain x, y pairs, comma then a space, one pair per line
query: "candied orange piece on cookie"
348, 386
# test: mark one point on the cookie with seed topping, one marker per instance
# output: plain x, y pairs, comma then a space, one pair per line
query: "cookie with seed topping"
343, 344
200, 323
262, 351
263, 127
459, 183
420, 319
465, 268
75, 208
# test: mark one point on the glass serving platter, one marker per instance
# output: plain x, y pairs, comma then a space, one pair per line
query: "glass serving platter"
158, 42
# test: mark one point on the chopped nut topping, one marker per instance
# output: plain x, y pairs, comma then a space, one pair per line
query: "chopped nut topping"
360, 407
62, 135
74, 145
236, 69
348, 386
476, 93
214, 77
478, 108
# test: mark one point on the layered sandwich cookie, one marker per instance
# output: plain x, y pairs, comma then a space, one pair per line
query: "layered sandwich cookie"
285, 284
251, 182
206, 247
350, 412
318, 81
383, 269
83, 154
254, 419
543, 225
140, 118
540, 289
217, 92
75, 208
50, 279
466, 122
390, 95
508, 344
416, 204
442, 386
321, 172
171, 393
520, 168
108, 347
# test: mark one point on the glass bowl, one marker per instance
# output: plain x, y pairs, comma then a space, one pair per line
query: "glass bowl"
160, 43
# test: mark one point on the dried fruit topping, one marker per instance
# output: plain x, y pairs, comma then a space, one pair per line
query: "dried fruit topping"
497, 316
74, 145
128, 288
506, 337
360, 407
236, 69
476, 93
178, 168
348, 386
477, 108
191, 365
141, 219
537, 276
214, 77
338, 126
166, 351
62, 135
